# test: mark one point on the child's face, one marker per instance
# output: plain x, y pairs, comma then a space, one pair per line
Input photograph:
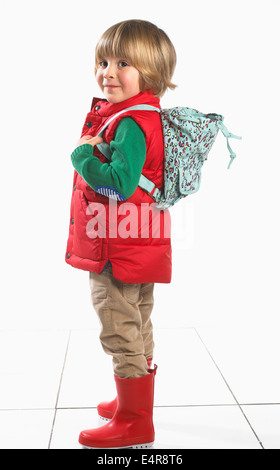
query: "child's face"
117, 79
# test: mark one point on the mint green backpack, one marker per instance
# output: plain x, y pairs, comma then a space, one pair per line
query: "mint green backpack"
188, 138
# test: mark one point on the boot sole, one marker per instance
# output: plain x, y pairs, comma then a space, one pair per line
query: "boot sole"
104, 419
135, 446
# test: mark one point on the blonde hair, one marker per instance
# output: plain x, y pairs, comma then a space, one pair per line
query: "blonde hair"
146, 47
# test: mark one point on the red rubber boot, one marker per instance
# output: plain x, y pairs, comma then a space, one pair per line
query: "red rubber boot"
106, 409
132, 424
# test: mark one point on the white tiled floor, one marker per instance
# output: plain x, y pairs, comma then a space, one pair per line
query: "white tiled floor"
216, 388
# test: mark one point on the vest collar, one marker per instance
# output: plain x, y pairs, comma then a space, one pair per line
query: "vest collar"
107, 109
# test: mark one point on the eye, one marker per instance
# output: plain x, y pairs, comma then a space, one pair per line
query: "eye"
103, 64
122, 63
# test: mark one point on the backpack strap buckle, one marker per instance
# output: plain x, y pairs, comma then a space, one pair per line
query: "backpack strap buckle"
149, 187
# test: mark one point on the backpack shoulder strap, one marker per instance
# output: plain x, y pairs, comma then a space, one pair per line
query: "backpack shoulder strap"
140, 107
104, 148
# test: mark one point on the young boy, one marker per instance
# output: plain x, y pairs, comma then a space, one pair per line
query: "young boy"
115, 232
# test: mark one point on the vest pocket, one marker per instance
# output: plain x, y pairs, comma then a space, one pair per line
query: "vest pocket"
86, 243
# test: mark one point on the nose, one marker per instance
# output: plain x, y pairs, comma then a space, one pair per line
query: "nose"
110, 71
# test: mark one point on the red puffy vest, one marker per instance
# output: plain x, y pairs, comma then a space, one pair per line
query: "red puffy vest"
131, 234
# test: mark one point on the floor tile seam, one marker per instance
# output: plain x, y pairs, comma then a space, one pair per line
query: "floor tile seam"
155, 406
230, 390
199, 405
59, 330
59, 387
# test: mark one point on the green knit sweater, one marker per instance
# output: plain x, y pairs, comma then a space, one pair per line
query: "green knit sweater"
128, 157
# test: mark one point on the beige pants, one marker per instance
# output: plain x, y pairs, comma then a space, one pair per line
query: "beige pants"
124, 311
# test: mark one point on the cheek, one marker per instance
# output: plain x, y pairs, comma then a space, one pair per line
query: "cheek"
132, 81
99, 77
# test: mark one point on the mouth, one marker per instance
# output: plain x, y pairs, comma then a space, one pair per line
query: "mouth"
111, 86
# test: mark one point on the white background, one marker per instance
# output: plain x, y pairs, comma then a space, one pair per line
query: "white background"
226, 269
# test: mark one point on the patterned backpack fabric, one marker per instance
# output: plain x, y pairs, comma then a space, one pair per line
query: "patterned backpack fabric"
188, 138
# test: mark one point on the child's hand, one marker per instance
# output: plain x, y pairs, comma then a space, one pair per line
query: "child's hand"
88, 139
